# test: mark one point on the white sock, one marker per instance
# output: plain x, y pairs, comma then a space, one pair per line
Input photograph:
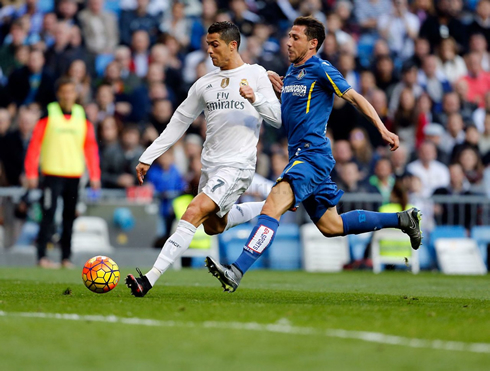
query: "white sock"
243, 213
173, 249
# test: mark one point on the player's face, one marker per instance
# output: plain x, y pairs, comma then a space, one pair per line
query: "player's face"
67, 95
298, 44
219, 50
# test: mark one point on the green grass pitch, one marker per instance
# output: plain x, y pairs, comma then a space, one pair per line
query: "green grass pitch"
275, 321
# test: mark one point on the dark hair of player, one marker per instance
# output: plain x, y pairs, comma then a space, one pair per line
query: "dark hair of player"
227, 31
314, 29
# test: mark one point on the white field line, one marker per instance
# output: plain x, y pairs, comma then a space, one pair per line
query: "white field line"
281, 327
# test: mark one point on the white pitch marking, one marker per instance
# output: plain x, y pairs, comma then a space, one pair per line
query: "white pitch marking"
371, 337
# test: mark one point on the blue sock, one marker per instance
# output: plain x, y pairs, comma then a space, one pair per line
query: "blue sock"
259, 240
360, 221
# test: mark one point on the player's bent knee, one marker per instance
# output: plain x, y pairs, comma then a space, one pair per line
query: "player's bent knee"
212, 230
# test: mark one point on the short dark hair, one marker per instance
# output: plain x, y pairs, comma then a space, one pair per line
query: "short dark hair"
227, 31
64, 80
314, 29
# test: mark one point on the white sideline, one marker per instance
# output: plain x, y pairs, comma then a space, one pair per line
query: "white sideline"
281, 327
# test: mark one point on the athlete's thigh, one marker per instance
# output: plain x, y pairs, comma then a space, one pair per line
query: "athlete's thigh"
325, 197
225, 185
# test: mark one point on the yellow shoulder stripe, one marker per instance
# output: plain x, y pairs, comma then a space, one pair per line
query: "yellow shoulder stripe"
335, 87
309, 97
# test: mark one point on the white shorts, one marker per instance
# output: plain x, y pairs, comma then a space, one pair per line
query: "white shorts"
225, 185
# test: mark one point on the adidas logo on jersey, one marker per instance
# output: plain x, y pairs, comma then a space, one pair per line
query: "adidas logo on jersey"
209, 86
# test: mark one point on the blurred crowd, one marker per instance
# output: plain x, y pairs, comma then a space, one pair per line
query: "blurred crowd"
423, 64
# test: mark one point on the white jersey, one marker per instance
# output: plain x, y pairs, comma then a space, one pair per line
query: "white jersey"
233, 123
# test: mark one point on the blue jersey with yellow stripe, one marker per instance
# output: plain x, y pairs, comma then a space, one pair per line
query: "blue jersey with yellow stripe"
307, 101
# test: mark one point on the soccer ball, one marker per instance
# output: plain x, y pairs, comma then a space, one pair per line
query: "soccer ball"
100, 274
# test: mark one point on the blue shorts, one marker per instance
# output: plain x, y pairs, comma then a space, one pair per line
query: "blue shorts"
308, 173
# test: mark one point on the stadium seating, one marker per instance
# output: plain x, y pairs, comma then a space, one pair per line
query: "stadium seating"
231, 245
285, 254
459, 256
321, 254
391, 246
101, 62
90, 234
481, 234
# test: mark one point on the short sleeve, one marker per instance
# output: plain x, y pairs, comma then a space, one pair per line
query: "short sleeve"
333, 79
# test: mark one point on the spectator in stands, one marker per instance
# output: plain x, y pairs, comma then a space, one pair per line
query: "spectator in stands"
35, 15
60, 55
409, 80
242, 16
342, 120
99, 28
78, 73
5, 123
346, 66
399, 28
384, 72
161, 112
479, 115
47, 32
399, 160
131, 21
342, 153
443, 25
350, 181
15, 145
449, 62
477, 79
472, 166
363, 152
421, 50
67, 12
422, 9
453, 213
32, 83
454, 133
471, 140
484, 141
451, 104
423, 107
199, 26
49, 143
112, 161
369, 12
383, 178
140, 44
345, 41
405, 118
7, 52
130, 142
478, 44
330, 50
432, 173
175, 23
122, 56
466, 108
434, 82
435, 133
168, 184
481, 21
173, 76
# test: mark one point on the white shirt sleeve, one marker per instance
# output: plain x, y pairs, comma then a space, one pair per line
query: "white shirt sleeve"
266, 102
182, 118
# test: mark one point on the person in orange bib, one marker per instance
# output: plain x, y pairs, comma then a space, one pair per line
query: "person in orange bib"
62, 144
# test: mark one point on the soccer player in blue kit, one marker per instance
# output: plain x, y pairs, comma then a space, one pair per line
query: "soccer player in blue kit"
307, 100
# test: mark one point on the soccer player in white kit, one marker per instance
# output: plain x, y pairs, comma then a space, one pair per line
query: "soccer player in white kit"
235, 99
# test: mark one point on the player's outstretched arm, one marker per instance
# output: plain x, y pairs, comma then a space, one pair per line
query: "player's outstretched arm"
363, 106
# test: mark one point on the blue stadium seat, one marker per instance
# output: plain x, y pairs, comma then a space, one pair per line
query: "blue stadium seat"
231, 244
101, 62
45, 6
481, 234
443, 231
285, 254
112, 6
